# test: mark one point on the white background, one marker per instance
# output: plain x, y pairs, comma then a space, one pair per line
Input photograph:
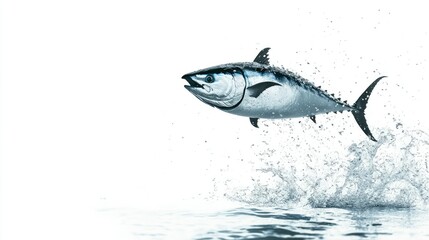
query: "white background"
94, 113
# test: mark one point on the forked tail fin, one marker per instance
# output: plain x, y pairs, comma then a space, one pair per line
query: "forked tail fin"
360, 106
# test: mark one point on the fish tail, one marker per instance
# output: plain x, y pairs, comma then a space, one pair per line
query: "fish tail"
360, 106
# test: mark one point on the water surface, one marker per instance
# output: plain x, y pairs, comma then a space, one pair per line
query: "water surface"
366, 190
277, 223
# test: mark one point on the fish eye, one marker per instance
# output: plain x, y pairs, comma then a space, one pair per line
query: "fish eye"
209, 79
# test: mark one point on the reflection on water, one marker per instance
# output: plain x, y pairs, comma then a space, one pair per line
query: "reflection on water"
264, 214
292, 226
266, 231
365, 234
277, 223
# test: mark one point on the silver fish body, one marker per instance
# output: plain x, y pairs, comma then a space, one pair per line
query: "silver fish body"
290, 97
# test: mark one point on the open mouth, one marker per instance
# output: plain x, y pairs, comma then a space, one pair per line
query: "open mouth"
192, 83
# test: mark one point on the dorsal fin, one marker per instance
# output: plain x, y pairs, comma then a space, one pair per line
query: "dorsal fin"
262, 57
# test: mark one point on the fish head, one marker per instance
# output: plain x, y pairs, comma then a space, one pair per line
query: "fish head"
220, 86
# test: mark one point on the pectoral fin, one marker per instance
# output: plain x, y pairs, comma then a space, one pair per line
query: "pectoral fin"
313, 118
257, 89
254, 122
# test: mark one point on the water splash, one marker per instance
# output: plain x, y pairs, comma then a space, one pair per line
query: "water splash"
392, 172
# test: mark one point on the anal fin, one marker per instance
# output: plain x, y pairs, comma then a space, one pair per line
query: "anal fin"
254, 122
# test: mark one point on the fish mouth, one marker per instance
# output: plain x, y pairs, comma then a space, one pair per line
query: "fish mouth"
192, 83
195, 85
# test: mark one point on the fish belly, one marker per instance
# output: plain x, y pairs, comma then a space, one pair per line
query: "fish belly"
286, 102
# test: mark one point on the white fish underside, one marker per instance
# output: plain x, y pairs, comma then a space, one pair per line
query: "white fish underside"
287, 100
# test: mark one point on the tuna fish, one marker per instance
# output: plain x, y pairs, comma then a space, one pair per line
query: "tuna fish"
258, 90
